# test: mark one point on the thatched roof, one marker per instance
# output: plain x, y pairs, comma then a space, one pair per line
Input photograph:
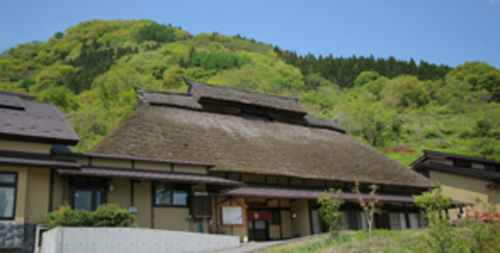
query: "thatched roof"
206, 92
252, 145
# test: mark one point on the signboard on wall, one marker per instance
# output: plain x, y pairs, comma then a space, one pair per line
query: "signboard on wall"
232, 216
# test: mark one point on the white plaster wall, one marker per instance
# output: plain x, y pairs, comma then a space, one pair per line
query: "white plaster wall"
117, 240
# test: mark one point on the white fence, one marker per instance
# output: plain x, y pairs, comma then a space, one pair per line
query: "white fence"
118, 240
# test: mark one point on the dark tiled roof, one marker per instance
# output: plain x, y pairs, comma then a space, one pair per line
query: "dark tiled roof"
296, 193
203, 91
10, 102
443, 156
39, 122
242, 144
149, 175
18, 94
35, 160
477, 173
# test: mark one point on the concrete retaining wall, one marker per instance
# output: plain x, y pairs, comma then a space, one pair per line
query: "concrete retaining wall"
118, 240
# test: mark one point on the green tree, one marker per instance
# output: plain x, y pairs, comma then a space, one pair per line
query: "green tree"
59, 35
405, 91
478, 74
366, 77
330, 202
156, 32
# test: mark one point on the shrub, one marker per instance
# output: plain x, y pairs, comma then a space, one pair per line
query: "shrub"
465, 134
110, 215
69, 218
430, 133
107, 215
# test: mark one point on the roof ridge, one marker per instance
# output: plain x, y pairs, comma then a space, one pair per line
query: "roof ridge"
18, 94
296, 99
138, 90
454, 155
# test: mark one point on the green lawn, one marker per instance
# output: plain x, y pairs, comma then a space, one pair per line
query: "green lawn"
359, 241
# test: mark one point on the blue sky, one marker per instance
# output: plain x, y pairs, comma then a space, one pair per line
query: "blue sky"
443, 32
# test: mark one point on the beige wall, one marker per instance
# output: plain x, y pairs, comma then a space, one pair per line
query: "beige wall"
286, 224
152, 166
170, 218
143, 201
190, 168
300, 224
57, 193
21, 146
106, 162
37, 196
120, 194
464, 188
274, 232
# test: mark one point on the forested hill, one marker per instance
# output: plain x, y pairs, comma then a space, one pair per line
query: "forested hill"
397, 106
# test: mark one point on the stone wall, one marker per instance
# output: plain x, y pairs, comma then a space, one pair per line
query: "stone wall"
17, 237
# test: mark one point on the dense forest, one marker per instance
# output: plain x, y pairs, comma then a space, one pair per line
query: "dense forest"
398, 106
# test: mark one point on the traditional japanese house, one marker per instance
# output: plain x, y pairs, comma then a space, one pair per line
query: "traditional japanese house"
463, 178
40, 173
282, 156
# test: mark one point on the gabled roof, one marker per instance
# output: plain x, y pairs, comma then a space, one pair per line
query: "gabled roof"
168, 129
10, 102
203, 92
420, 165
34, 121
443, 156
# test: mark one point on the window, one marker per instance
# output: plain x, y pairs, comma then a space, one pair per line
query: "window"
88, 193
8, 182
491, 167
200, 205
170, 195
88, 198
461, 163
275, 217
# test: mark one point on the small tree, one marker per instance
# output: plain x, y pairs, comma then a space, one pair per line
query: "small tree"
330, 202
369, 206
440, 236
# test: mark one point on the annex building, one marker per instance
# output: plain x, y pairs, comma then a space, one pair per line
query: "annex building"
463, 178
212, 160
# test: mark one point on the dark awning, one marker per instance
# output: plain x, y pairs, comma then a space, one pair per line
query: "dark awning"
289, 193
149, 175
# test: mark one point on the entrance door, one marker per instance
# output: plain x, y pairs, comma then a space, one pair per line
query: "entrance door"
258, 225
257, 230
